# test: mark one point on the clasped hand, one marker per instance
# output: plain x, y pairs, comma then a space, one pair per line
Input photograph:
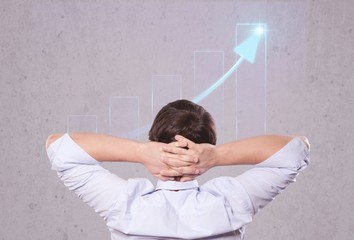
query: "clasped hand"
182, 160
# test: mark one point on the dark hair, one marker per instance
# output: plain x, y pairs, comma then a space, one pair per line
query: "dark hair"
184, 118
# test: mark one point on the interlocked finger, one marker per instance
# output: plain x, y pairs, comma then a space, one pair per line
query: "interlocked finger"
188, 170
177, 160
170, 173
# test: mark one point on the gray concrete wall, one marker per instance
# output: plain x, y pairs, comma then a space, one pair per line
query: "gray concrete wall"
62, 58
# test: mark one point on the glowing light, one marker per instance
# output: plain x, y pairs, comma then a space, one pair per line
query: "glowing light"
259, 30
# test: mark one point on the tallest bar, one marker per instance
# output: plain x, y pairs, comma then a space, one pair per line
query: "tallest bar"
251, 85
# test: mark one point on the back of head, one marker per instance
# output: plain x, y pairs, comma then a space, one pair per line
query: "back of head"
183, 117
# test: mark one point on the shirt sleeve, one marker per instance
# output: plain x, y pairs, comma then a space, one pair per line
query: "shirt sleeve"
270, 177
82, 174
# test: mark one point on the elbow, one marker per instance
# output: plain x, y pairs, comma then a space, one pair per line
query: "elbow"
52, 138
306, 141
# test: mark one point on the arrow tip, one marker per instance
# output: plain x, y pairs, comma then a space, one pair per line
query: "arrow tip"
248, 48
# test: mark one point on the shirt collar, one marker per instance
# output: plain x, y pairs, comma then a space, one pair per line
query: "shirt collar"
173, 185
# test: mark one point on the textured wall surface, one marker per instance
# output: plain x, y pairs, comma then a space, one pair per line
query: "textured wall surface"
61, 58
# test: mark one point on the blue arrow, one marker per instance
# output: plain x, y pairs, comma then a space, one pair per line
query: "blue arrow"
247, 50
206, 92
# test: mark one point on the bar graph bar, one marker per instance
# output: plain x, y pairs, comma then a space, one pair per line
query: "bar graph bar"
124, 117
82, 123
165, 89
208, 68
251, 86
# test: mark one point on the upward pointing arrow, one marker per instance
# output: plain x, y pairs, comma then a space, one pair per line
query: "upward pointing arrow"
247, 50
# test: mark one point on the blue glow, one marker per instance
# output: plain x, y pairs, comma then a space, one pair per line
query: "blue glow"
259, 30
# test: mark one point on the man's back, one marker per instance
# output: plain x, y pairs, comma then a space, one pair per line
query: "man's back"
176, 209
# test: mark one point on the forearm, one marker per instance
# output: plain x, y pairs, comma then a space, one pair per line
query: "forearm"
251, 150
104, 147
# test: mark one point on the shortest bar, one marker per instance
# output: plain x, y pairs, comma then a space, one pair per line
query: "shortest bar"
82, 123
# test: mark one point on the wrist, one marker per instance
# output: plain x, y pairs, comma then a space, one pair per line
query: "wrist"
220, 153
140, 153
218, 156
211, 158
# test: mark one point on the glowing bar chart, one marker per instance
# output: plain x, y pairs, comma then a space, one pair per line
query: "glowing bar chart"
165, 89
82, 123
124, 117
209, 76
208, 67
251, 84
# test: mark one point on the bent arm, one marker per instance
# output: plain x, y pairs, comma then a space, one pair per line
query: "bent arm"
277, 159
250, 151
276, 167
105, 148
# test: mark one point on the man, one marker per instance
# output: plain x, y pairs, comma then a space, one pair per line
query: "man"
182, 146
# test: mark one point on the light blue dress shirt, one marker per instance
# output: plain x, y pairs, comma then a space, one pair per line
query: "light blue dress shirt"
135, 209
